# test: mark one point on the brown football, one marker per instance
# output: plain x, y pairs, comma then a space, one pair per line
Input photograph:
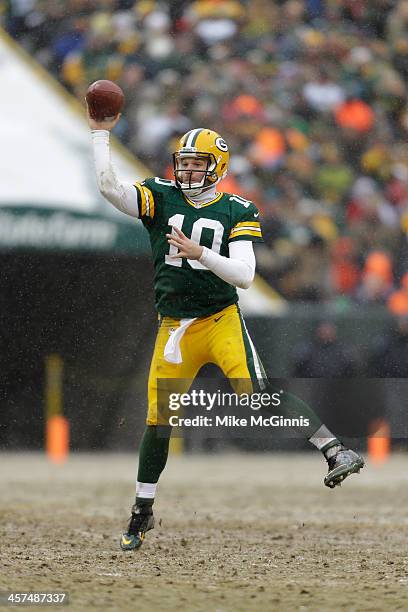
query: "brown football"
105, 100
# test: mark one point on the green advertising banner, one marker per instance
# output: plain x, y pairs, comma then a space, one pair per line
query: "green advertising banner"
48, 229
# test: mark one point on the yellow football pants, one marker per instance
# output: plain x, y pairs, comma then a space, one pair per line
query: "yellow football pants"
220, 338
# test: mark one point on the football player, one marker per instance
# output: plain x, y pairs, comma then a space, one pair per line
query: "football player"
201, 241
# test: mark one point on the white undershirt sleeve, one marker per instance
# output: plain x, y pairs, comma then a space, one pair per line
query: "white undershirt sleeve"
123, 196
238, 269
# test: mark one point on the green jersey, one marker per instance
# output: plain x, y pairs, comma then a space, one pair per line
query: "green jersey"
185, 288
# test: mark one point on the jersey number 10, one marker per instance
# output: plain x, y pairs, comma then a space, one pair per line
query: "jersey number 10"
198, 226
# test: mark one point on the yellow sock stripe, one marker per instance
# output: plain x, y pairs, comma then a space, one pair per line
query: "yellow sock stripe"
245, 232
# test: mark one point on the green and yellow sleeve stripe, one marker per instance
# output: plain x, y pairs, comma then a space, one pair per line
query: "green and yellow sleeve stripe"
246, 228
145, 201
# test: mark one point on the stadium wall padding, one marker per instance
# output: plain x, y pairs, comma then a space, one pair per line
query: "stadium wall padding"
97, 313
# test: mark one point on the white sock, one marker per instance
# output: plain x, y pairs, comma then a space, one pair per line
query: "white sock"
322, 437
146, 490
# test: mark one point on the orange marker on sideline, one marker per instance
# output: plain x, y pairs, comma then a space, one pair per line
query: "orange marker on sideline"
379, 442
56, 425
57, 438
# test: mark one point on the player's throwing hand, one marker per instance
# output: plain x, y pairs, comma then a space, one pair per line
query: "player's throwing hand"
186, 247
104, 124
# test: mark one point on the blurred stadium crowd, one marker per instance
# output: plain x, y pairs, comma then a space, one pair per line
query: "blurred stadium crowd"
310, 95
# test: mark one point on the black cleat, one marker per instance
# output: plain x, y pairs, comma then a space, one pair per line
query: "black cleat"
342, 464
142, 520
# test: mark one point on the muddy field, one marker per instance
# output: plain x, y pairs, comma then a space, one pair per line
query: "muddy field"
234, 533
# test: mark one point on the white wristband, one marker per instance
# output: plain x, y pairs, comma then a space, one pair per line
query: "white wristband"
100, 135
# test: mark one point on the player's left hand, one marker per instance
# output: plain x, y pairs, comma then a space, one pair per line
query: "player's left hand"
186, 247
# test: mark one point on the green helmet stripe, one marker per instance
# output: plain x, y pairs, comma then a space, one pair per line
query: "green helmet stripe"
196, 135
191, 138
186, 137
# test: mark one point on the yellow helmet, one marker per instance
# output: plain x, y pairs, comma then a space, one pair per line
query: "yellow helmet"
203, 144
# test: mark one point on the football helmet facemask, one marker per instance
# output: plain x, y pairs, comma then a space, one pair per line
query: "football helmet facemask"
201, 144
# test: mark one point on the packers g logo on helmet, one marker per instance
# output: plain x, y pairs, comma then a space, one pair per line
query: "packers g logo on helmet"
221, 144
202, 144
